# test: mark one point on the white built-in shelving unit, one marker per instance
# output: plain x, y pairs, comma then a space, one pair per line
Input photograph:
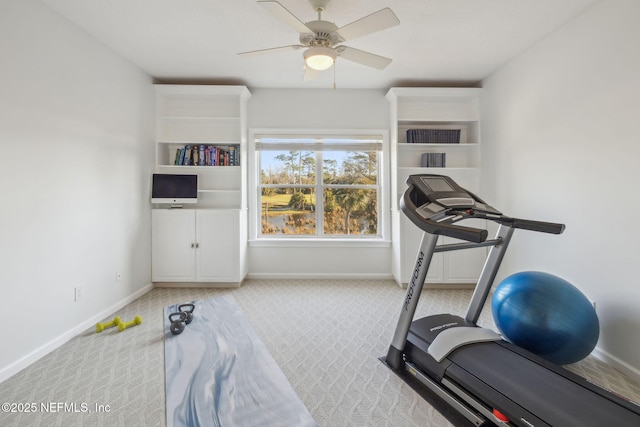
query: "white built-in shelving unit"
207, 242
433, 108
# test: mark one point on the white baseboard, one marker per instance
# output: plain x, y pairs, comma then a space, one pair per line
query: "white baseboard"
319, 276
211, 285
47, 348
618, 364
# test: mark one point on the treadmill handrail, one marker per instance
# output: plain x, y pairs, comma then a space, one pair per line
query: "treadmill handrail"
469, 234
524, 224
541, 226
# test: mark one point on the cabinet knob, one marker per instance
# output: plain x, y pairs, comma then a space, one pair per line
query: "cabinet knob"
193, 245
197, 245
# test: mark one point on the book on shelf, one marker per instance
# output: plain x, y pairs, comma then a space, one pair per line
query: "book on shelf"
208, 155
434, 160
201, 155
433, 136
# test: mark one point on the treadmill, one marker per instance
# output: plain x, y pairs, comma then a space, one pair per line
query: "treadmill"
485, 379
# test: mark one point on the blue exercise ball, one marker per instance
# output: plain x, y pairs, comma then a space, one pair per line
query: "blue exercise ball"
546, 315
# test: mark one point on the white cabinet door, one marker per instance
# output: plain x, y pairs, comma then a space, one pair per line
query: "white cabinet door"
461, 266
195, 245
217, 255
464, 266
173, 245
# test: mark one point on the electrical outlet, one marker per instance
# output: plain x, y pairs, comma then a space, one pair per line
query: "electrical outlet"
78, 293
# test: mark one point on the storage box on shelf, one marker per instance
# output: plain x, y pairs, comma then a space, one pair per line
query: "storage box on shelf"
414, 111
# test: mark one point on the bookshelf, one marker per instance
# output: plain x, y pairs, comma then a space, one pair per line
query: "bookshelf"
424, 114
202, 130
206, 117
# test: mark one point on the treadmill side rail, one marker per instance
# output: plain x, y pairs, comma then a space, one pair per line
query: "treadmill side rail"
445, 395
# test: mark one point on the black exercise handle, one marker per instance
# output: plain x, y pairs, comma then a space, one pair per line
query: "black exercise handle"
469, 234
182, 314
188, 308
543, 227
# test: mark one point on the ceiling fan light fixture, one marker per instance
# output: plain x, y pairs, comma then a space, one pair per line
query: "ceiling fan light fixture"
319, 57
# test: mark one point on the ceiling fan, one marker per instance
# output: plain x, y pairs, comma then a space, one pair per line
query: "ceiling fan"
322, 38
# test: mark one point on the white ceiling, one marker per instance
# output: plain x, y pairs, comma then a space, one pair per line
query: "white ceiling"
437, 41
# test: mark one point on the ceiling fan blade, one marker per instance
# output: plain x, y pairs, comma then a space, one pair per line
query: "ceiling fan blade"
271, 50
285, 16
377, 21
310, 74
362, 57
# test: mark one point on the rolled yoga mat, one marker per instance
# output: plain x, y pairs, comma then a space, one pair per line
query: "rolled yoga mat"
219, 373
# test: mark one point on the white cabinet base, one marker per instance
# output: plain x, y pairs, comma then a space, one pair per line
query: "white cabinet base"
461, 267
194, 247
208, 285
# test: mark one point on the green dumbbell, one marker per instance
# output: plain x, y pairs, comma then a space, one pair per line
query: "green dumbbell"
102, 326
136, 321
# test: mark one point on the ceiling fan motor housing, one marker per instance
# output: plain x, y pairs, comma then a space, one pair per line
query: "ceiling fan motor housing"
324, 34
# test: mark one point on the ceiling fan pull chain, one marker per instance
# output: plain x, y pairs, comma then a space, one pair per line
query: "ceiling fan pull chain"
334, 75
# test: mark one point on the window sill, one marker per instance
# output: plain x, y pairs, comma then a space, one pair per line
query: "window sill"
319, 243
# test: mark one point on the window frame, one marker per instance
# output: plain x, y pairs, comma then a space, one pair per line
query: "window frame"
318, 239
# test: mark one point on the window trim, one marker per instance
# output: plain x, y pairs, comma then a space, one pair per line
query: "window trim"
381, 239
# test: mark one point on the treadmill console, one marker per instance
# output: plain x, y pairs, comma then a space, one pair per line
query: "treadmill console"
435, 195
435, 203
442, 189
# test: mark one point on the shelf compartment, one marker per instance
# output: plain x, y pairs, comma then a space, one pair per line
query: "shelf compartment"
469, 130
437, 104
440, 111
223, 178
198, 130
210, 178
220, 199
198, 105
167, 151
457, 155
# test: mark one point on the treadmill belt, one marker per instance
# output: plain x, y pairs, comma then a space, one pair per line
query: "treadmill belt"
493, 372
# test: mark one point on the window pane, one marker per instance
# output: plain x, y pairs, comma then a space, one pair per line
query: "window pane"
288, 211
350, 167
287, 167
349, 211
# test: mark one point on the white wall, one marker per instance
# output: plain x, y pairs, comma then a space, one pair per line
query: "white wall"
561, 143
319, 109
76, 131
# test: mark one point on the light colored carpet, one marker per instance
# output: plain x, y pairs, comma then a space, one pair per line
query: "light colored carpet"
326, 336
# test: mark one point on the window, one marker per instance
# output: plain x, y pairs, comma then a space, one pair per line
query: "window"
318, 186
